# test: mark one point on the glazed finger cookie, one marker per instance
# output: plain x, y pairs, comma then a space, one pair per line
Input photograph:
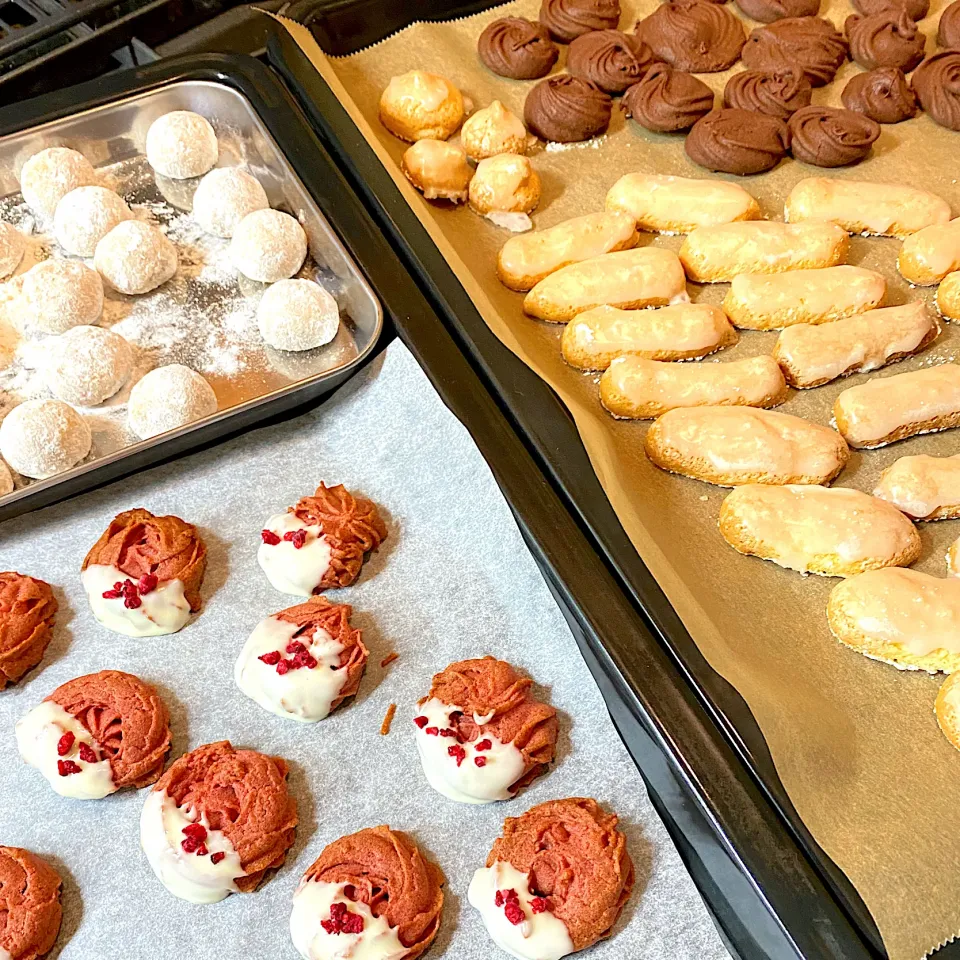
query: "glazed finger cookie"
217, 821
634, 388
834, 532
720, 253
370, 894
813, 355
682, 332
646, 277
923, 487
421, 106
29, 905
320, 543
143, 575
877, 209
948, 296
734, 445
556, 881
28, 609
947, 709
96, 735
303, 662
882, 411
759, 301
481, 733
680, 204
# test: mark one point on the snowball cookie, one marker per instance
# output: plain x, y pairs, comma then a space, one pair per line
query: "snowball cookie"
60, 294
143, 576
268, 246
421, 106
12, 247
48, 176
224, 197
87, 365
217, 821
181, 145
27, 612
29, 905
41, 438
297, 315
169, 397
375, 889
135, 257
85, 216
97, 734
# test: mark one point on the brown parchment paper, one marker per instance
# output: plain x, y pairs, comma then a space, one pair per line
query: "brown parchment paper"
855, 742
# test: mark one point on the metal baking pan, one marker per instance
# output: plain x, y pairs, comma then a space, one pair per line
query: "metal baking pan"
550, 433
257, 127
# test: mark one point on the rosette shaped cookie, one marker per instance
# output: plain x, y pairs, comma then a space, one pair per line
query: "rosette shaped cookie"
566, 109
568, 19
303, 662
779, 94
372, 892
30, 910
693, 35
887, 39
612, 60
936, 83
143, 575
321, 543
916, 9
556, 881
882, 95
481, 733
517, 48
27, 611
829, 137
738, 141
810, 43
668, 100
217, 821
948, 30
766, 11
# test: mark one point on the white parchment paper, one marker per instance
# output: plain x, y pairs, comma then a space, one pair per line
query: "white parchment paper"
454, 580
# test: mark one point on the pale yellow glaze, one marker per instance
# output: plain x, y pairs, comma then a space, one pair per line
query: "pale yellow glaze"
930, 254
438, 169
417, 88
491, 131
506, 183
922, 485
953, 559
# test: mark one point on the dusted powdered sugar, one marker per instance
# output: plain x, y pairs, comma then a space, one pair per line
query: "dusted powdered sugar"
224, 197
268, 246
85, 216
41, 438
181, 144
12, 247
297, 315
48, 176
57, 295
87, 365
135, 257
167, 398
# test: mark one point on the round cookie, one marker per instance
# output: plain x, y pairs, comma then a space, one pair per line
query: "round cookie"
566, 109
829, 137
889, 39
29, 905
916, 9
421, 106
59, 294
779, 94
810, 43
297, 315
181, 145
438, 169
693, 35
224, 197
610, 59
882, 95
28, 609
517, 48
766, 11
568, 19
268, 245
492, 131
376, 885
738, 141
169, 397
41, 438
481, 734
321, 543
143, 576
936, 82
13, 244
234, 813
85, 216
303, 662
48, 176
505, 189
948, 29
667, 100
135, 257
556, 881
97, 734
87, 365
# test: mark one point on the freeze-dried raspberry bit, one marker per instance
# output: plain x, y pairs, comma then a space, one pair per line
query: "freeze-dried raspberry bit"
432, 731
539, 905
484, 745
195, 830
480, 761
421, 722
458, 753
272, 658
65, 744
297, 537
514, 913
215, 858
147, 583
87, 754
269, 537
67, 768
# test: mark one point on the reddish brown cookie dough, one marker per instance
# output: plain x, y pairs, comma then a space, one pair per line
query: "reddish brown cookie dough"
30, 910
126, 718
388, 873
576, 858
138, 543
737, 141
517, 48
27, 611
242, 793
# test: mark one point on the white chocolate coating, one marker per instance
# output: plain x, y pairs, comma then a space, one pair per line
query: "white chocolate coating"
930, 254
289, 570
38, 734
541, 936
162, 611
922, 485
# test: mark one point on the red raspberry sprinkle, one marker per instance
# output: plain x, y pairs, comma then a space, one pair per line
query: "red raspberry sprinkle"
342, 921
484, 745
202, 850
432, 731
87, 754
147, 583
448, 733
498, 899
269, 537
283, 666
65, 744
215, 858
480, 761
111, 594
196, 831
458, 753
67, 767
271, 659
297, 537
514, 913
129, 588
421, 722
539, 904
191, 845
353, 923
118, 585
132, 601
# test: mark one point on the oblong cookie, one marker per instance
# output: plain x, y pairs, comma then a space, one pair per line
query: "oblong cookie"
877, 209
813, 355
948, 296
645, 277
928, 255
760, 301
900, 616
947, 708
887, 409
922, 487
663, 204
638, 389
716, 254
525, 260
682, 332
831, 531
729, 446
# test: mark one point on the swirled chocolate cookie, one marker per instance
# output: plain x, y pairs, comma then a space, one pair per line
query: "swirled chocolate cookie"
779, 94
886, 39
667, 100
517, 48
737, 141
811, 43
948, 31
568, 19
612, 60
693, 35
766, 11
566, 109
916, 9
936, 83
882, 95
829, 137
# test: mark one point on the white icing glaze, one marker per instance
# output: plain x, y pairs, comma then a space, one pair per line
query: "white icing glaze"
541, 936
311, 906
922, 484
514, 222
38, 734
466, 783
161, 611
418, 90
953, 559
930, 254
303, 694
186, 875
289, 570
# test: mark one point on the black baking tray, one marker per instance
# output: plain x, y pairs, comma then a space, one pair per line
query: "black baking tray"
536, 413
